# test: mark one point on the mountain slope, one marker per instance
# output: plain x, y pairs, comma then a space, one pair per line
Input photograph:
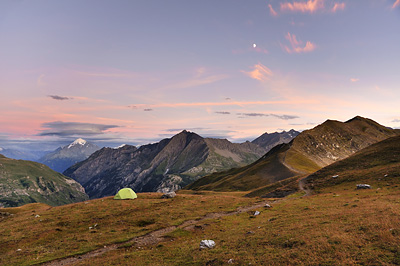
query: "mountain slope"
163, 166
64, 157
308, 152
24, 182
377, 165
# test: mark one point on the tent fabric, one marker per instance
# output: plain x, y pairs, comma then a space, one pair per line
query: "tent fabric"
126, 193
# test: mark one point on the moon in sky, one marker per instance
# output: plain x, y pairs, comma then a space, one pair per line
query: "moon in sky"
254, 45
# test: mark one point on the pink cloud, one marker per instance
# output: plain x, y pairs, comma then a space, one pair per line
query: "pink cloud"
396, 4
260, 72
296, 45
354, 80
339, 6
272, 11
310, 6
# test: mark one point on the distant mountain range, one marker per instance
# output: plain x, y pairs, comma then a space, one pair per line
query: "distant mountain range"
22, 155
270, 140
164, 166
24, 182
308, 152
64, 157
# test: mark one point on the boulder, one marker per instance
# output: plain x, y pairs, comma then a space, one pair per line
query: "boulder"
363, 186
204, 244
168, 195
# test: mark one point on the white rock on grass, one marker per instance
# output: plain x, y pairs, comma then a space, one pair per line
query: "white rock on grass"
204, 244
168, 195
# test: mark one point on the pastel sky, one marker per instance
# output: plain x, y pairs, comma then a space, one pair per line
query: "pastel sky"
137, 71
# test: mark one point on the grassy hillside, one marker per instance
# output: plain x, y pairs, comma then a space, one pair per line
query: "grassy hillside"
308, 152
266, 170
377, 165
24, 182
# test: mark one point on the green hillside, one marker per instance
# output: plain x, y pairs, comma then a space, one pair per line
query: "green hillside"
24, 182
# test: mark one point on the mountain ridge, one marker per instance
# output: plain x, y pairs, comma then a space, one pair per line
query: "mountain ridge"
308, 152
164, 166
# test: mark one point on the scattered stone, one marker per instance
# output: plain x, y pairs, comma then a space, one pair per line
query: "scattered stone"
168, 195
335, 176
204, 244
363, 186
250, 233
37, 216
386, 175
256, 213
19, 249
267, 206
231, 261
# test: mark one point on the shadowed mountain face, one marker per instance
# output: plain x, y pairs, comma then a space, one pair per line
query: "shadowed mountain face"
308, 152
270, 140
377, 165
24, 182
64, 157
164, 166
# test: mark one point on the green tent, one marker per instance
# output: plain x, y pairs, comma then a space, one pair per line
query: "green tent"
125, 193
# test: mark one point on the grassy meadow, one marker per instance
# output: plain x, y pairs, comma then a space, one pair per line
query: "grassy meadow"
338, 226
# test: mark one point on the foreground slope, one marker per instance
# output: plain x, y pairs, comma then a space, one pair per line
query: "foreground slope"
24, 182
308, 152
339, 226
163, 166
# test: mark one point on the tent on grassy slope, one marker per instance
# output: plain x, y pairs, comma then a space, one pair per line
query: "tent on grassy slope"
125, 193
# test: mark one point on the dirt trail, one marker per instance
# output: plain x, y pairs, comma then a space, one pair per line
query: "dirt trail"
152, 237
303, 187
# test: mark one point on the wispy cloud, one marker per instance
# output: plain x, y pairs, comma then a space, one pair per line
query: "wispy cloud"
310, 6
339, 6
396, 120
64, 129
223, 113
148, 110
283, 117
296, 45
354, 79
272, 11
252, 114
396, 4
59, 98
198, 80
260, 72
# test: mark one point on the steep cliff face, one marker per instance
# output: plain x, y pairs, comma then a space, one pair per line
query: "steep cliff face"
164, 166
24, 182
309, 151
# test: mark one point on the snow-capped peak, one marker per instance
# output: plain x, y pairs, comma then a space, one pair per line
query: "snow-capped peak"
77, 142
120, 146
